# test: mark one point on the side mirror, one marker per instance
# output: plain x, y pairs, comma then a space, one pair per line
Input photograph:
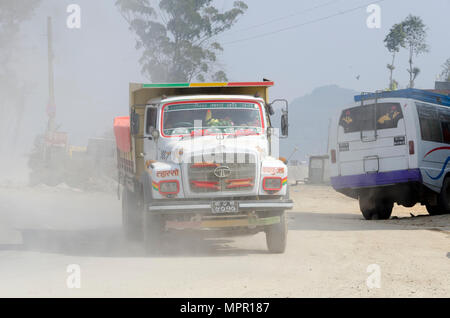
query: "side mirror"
285, 124
155, 134
134, 123
270, 109
284, 116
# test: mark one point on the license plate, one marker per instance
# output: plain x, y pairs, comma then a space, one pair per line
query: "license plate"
221, 207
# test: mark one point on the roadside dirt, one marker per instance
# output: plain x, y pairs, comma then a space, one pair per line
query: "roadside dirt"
330, 249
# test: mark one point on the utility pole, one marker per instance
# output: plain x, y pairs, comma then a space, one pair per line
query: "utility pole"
51, 107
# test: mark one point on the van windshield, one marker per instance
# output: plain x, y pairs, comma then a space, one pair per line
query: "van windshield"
217, 117
362, 118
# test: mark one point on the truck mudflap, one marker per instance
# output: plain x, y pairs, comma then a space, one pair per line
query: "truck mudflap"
249, 221
204, 207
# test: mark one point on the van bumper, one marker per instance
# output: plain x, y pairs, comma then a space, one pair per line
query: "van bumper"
376, 179
205, 206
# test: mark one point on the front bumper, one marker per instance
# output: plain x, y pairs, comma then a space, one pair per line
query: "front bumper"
239, 221
204, 207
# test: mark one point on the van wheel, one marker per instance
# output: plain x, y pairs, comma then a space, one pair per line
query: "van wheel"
434, 210
132, 210
444, 196
375, 208
153, 228
276, 235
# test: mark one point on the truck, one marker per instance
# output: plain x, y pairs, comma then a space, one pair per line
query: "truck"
202, 157
393, 147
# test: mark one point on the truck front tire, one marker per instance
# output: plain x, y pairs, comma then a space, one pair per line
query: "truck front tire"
153, 228
276, 235
132, 210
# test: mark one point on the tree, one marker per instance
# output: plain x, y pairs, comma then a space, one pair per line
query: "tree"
12, 99
415, 36
445, 74
393, 41
415, 73
177, 37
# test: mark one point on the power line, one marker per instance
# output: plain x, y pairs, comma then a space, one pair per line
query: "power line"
283, 17
303, 24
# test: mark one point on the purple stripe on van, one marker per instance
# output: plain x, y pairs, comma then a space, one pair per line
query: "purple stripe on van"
375, 179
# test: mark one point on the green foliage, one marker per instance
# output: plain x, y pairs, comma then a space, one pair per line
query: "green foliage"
409, 34
12, 96
176, 37
445, 74
12, 14
395, 38
393, 41
415, 35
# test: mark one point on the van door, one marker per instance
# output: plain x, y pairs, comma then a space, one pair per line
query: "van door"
372, 138
434, 147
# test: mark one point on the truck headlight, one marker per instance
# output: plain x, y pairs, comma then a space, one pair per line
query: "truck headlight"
272, 183
169, 187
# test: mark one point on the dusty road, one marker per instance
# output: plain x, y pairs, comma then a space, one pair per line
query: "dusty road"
330, 246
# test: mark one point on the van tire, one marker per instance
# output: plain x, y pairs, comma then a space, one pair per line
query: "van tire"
153, 230
276, 235
444, 196
434, 209
132, 210
375, 208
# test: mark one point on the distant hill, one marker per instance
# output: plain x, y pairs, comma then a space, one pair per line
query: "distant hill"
309, 117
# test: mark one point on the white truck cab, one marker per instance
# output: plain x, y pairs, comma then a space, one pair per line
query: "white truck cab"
203, 156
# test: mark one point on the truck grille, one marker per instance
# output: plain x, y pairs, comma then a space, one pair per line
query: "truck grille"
238, 173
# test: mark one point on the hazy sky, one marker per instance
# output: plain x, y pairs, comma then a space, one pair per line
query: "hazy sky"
94, 64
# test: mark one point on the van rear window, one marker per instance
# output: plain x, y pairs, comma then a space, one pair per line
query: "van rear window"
363, 117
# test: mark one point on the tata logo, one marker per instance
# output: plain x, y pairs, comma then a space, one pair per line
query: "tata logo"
222, 172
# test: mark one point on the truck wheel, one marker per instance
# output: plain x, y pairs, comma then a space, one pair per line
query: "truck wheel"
153, 227
276, 235
444, 196
132, 210
375, 208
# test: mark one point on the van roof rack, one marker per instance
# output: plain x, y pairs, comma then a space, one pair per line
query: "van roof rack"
413, 93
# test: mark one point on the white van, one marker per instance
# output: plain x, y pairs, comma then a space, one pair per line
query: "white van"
392, 147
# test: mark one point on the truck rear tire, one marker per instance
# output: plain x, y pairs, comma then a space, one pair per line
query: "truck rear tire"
276, 235
373, 208
153, 228
132, 210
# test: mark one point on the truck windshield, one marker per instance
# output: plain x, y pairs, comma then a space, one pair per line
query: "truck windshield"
216, 117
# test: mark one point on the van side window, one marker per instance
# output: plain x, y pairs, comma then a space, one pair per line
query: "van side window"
361, 118
151, 119
430, 126
444, 118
